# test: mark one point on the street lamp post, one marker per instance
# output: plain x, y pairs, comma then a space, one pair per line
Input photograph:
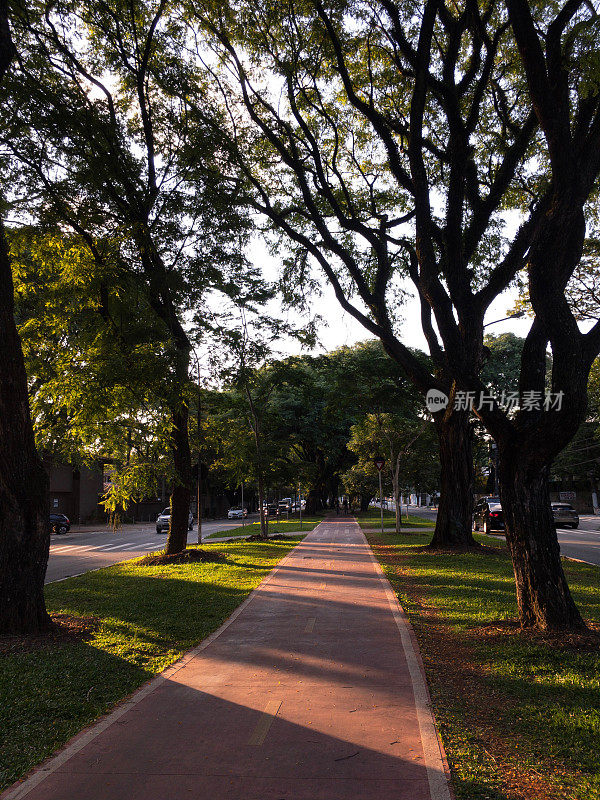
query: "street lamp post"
494, 448
516, 315
199, 473
381, 500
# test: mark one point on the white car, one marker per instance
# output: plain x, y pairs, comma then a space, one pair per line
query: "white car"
237, 513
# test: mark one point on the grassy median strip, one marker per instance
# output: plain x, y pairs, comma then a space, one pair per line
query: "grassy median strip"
119, 627
291, 525
519, 713
372, 519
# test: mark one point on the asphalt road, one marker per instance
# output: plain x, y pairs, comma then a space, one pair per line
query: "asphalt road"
582, 544
83, 550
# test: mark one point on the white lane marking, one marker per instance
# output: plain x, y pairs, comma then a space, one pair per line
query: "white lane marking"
106, 548
63, 548
86, 547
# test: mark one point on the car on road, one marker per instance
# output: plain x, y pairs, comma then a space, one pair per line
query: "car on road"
488, 515
285, 502
164, 520
237, 513
564, 515
59, 523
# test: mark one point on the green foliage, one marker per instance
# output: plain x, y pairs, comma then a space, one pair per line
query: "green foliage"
111, 136
407, 441
580, 461
307, 406
97, 362
112, 144
503, 364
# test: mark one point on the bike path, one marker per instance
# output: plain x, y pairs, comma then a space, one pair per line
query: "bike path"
312, 690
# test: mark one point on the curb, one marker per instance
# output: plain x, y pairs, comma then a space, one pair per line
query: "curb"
438, 771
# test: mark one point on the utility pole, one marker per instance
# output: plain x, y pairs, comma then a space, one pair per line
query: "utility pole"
494, 459
199, 478
379, 463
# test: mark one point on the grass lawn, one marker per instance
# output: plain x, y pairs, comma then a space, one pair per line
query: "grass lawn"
519, 713
127, 623
372, 519
284, 526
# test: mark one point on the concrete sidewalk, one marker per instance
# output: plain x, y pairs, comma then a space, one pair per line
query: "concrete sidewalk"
312, 690
591, 521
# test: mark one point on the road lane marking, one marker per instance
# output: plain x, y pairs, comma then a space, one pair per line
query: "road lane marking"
106, 548
259, 734
61, 548
310, 625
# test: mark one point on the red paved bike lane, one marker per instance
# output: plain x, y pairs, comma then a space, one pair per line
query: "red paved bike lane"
311, 690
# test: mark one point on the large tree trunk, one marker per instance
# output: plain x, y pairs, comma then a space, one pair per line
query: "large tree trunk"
24, 521
453, 529
398, 507
395, 464
314, 501
543, 596
182, 484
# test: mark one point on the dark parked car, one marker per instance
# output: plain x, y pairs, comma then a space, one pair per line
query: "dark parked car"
59, 523
564, 515
164, 520
487, 515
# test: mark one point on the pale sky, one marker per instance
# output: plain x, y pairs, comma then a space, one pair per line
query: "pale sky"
342, 329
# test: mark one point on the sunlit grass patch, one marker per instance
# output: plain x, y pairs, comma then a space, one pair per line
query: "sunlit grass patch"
519, 713
135, 621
